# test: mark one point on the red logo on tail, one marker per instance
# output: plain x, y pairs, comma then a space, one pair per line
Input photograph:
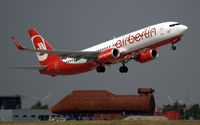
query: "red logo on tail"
38, 43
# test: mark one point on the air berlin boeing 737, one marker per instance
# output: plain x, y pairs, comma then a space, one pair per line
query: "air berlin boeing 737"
141, 46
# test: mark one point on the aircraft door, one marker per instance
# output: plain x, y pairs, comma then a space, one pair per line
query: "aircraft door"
162, 30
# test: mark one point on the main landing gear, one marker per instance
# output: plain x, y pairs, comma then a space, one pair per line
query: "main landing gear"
100, 69
173, 47
123, 69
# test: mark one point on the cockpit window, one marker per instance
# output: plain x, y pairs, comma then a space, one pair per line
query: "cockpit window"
172, 25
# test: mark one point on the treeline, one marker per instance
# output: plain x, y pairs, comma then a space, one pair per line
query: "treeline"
186, 111
39, 105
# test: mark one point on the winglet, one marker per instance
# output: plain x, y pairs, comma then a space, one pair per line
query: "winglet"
17, 44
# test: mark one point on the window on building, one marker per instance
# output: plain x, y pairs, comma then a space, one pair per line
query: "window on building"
33, 116
43, 117
24, 116
16, 116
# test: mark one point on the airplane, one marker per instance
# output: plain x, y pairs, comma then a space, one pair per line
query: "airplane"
141, 46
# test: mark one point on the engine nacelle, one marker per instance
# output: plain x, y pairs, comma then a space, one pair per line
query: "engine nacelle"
147, 56
107, 56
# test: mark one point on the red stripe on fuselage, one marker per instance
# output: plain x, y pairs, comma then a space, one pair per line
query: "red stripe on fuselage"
69, 69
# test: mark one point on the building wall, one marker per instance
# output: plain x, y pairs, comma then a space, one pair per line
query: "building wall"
96, 101
10, 102
109, 116
172, 115
26, 115
5, 115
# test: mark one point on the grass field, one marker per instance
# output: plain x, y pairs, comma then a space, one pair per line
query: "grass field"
105, 123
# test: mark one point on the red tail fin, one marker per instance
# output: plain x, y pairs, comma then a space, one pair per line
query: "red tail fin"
39, 43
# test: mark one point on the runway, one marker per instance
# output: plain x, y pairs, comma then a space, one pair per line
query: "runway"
115, 122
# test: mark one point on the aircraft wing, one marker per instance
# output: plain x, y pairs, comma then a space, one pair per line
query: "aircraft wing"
70, 54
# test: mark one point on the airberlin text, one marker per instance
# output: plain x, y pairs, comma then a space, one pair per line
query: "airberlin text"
132, 38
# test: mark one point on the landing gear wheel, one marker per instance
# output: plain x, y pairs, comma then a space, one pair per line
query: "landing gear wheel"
173, 47
123, 69
100, 69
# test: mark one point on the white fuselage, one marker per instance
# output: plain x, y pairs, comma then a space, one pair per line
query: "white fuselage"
137, 40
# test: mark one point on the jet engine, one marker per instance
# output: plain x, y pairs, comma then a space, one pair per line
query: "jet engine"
107, 56
146, 56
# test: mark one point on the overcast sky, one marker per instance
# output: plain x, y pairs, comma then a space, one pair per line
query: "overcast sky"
78, 24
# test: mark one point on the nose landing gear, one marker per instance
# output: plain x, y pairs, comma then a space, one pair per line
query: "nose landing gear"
173, 47
123, 69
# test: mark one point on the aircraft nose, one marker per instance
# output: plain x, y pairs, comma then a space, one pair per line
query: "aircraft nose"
184, 28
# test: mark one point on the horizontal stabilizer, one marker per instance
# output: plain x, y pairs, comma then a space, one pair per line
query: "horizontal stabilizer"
69, 54
29, 67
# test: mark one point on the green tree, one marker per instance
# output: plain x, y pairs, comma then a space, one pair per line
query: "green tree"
39, 105
175, 107
194, 112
